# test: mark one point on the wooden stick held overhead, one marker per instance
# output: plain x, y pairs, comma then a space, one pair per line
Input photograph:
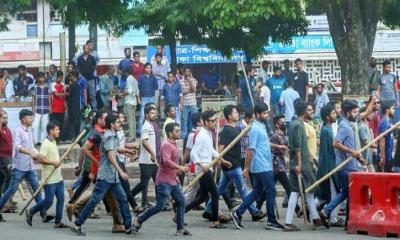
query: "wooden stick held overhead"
226, 149
63, 157
247, 81
340, 166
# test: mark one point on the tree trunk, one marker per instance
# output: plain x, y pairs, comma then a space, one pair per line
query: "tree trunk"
71, 40
172, 52
93, 34
353, 24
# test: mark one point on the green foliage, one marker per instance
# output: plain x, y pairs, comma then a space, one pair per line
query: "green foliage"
391, 14
9, 7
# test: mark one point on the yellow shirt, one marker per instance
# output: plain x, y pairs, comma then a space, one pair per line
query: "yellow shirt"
164, 134
312, 140
49, 149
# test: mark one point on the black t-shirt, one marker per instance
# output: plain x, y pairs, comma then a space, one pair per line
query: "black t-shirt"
227, 135
300, 81
74, 110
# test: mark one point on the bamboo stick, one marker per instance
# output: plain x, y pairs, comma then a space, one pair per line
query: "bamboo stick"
226, 149
340, 166
69, 149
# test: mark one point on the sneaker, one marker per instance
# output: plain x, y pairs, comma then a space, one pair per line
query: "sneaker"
258, 216
340, 223
236, 220
77, 230
324, 219
1, 218
29, 217
274, 226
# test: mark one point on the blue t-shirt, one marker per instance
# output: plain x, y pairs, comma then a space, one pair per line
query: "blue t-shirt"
259, 143
172, 93
148, 85
245, 100
276, 86
211, 80
383, 126
345, 135
123, 65
83, 85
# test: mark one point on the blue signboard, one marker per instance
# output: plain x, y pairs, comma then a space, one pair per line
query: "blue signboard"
195, 54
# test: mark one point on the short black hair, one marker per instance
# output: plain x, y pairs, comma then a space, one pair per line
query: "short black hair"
298, 60
97, 116
248, 69
385, 63
180, 65
25, 112
348, 105
265, 62
135, 53
158, 55
22, 67
53, 65
111, 118
286, 61
148, 109
128, 71
385, 106
276, 68
260, 107
71, 63
60, 73
51, 125
289, 82
168, 108
169, 128
149, 104
300, 107
75, 74
276, 118
147, 64
40, 74
196, 118
228, 110
326, 111
248, 113
173, 74
207, 115
126, 49
89, 41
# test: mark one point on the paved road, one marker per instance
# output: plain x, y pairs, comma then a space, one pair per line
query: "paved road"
161, 227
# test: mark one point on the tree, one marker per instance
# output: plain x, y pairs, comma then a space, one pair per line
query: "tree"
353, 25
9, 7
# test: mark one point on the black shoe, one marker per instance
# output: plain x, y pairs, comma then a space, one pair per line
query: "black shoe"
29, 217
2, 219
274, 226
47, 218
77, 230
207, 215
236, 220
258, 216
198, 208
128, 231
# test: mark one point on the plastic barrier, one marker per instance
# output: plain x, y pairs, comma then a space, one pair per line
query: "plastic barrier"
374, 204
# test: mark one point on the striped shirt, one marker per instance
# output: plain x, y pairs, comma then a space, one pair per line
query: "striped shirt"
42, 99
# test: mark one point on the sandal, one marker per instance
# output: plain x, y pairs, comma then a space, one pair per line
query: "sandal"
94, 216
61, 225
134, 226
184, 233
218, 226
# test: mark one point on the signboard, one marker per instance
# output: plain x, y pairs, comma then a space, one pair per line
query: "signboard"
18, 50
318, 23
306, 44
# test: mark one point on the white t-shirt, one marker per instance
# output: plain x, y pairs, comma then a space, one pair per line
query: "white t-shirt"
266, 94
147, 133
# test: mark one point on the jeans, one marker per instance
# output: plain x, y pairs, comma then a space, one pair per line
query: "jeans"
77, 183
340, 197
16, 177
163, 191
264, 186
101, 188
143, 102
147, 172
235, 175
187, 123
178, 116
278, 109
85, 183
207, 186
51, 190
92, 93
39, 127
130, 111
5, 177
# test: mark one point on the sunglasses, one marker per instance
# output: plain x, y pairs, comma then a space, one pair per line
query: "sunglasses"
212, 120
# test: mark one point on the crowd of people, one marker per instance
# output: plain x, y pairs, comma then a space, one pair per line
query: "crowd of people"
284, 124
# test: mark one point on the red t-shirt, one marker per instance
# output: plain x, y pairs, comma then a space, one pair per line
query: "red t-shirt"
95, 139
58, 103
137, 71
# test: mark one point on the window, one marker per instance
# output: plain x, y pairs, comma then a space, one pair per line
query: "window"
30, 14
31, 30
